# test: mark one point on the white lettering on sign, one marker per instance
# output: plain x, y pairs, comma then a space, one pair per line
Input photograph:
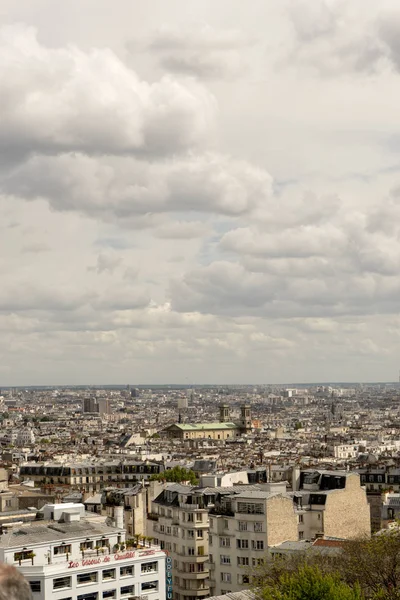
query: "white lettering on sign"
168, 579
86, 562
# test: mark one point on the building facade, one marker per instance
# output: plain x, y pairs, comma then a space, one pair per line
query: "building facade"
179, 520
90, 477
242, 528
71, 557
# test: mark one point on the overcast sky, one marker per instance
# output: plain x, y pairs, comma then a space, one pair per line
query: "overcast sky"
199, 191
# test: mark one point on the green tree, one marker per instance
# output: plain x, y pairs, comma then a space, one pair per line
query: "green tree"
309, 583
176, 475
374, 564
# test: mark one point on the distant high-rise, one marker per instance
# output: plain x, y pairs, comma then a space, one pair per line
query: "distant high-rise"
182, 403
103, 406
90, 405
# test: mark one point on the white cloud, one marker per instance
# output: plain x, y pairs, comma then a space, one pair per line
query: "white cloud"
65, 99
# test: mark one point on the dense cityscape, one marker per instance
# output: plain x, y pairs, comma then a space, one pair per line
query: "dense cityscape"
210, 478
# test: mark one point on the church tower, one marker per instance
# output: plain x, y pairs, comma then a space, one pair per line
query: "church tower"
245, 418
224, 413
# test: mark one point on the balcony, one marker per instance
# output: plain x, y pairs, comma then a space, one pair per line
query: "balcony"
222, 511
189, 507
201, 593
198, 576
152, 516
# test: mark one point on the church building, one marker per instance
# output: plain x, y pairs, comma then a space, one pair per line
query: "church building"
224, 430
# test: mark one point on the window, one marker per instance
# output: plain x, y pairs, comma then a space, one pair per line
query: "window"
242, 544
126, 571
190, 533
168, 530
257, 544
150, 586
199, 533
84, 578
35, 586
319, 516
191, 552
210, 539
257, 562
110, 594
85, 546
225, 542
200, 551
243, 579
225, 560
226, 524
301, 519
91, 596
63, 549
211, 522
199, 517
190, 518
226, 577
23, 555
243, 561
108, 574
61, 582
128, 590
150, 567
242, 525
301, 535
258, 527
250, 508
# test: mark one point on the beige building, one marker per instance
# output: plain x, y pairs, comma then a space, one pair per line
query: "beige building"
332, 504
242, 527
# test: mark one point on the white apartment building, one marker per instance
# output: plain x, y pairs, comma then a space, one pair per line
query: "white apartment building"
242, 527
71, 555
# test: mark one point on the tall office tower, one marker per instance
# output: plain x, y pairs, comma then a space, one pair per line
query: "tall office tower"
90, 405
103, 406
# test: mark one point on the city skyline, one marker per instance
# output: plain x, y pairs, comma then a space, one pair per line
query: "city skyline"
195, 192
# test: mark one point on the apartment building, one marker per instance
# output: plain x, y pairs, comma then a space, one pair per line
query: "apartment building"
331, 504
179, 520
69, 556
136, 503
242, 528
90, 477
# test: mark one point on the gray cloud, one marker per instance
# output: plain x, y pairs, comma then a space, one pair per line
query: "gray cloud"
125, 188
202, 51
107, 263
334, 39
